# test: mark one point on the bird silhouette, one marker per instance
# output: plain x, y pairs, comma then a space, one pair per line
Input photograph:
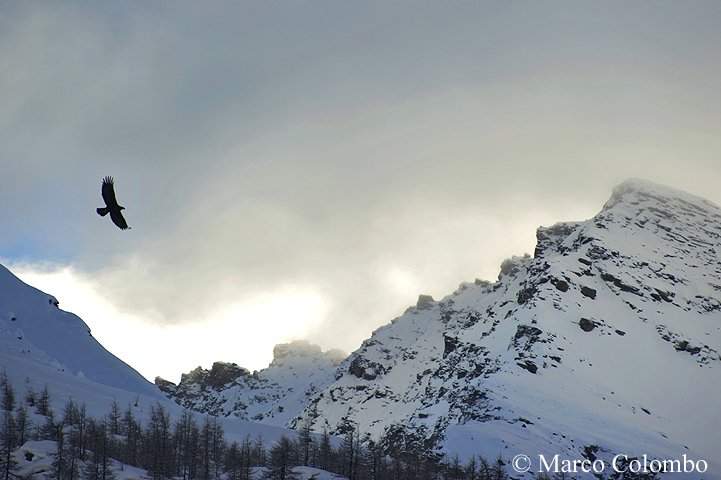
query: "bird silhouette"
111, 204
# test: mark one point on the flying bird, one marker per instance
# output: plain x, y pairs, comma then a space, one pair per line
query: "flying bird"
111, 204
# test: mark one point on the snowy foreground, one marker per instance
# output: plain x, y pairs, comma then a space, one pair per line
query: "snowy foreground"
35, 459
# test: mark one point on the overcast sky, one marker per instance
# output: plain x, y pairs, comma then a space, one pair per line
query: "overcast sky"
305, 169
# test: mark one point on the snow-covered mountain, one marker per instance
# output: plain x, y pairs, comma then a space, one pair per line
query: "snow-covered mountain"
605, 342
274, 395
608, 337
34, 330
42, 345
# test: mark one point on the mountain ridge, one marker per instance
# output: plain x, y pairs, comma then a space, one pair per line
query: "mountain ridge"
32, 326
273, 395
592, 344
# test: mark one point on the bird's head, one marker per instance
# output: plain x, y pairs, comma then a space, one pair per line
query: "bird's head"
121, 208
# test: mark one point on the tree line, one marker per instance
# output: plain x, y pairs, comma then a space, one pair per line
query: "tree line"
192, 448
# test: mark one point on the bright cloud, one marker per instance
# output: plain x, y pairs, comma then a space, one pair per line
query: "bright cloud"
242, 332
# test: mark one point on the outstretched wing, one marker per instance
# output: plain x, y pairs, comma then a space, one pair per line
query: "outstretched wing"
118, 219
108, 192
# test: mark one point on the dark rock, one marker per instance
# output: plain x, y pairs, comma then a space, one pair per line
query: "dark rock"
597, 252
683, 345
607, 277
528, 365
223, 373
550, 238
590, 451
362, 368
586, 324
530, 333
562, 285
424, 301
508, 267
450, 345
583, 240
196, 376
660, 212
589, 292
512, 266
166, 386
693, 350
585, 261
356, 368
526, 294
621, 332
661, 295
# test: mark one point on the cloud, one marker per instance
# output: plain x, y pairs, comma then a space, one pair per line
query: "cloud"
346, 157
239, 330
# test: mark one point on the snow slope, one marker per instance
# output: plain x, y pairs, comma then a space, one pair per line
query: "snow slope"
34, 328
40, 345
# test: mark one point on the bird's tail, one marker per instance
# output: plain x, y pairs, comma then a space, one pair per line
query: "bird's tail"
103, 211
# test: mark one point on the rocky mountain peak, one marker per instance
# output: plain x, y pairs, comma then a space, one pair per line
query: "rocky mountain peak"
587, 327
272, 395
636, 192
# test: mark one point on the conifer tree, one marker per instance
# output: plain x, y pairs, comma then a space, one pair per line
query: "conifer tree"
305, 442
237, 466
485, 470
44, 402
131, 429
280, 464
454, 470
471, 469
246, 449
350, 454
212, 446
31, 398
8, 427
114, 417
325, 451
186, 440
375, 459
49, 429
59, 466
259, 457
24, 424
156, 443
82, 422
70, 446
98, 464
218, 446
498, 470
